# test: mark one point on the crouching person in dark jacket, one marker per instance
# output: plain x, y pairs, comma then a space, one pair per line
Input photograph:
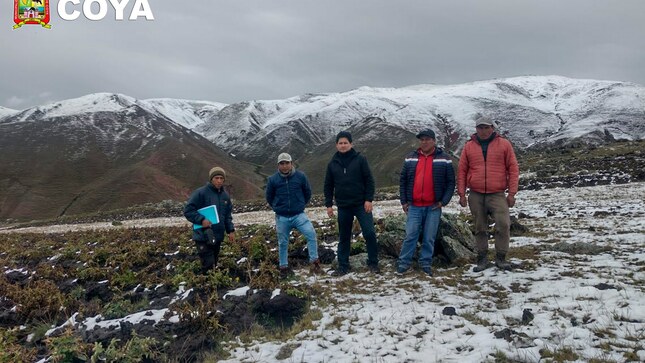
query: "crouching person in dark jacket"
209, 238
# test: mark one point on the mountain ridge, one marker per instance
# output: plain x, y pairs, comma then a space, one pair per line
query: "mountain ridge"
125, 142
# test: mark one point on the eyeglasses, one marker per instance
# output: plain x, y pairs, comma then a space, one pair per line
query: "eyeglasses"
484, 127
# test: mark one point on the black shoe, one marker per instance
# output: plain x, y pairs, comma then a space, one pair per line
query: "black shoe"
285, 272
402, 270
374, 269
340, 272
427, 270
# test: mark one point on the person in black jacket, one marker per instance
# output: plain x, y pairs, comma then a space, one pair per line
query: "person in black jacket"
209, 237
349, 179
288, 192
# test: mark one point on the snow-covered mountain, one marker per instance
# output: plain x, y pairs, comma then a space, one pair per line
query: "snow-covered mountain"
102, 137
186, 113
529, 110
106, 151
6, 112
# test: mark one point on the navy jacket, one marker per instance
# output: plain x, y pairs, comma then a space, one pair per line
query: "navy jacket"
288, 196
443, 177
203, 197
349, 179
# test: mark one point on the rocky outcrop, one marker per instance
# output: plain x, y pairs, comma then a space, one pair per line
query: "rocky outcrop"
454, 244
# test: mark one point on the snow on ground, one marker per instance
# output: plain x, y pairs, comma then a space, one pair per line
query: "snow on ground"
593, 305
590, 304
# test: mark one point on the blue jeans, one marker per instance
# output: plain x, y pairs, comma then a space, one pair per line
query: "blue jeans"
284, 225
345, 221
419, 217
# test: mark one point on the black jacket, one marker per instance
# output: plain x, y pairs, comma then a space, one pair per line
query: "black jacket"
203, 197
348, 179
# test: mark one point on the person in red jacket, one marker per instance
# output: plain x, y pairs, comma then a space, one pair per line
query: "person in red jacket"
488, 167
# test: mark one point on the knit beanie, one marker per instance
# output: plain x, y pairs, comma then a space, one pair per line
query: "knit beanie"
216, 171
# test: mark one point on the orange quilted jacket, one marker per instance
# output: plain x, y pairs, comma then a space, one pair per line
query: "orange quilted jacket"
498, 173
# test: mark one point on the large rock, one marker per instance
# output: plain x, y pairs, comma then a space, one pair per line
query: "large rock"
454, 244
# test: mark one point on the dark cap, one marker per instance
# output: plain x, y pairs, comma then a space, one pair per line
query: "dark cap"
427, 132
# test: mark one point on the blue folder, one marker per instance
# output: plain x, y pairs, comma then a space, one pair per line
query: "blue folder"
210, 213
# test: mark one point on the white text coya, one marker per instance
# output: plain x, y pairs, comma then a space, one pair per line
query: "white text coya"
141, 8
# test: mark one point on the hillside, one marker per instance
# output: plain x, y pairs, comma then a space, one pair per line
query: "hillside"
102, 152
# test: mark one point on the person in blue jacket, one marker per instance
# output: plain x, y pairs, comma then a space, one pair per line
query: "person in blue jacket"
427, 184
209, 238
288, 192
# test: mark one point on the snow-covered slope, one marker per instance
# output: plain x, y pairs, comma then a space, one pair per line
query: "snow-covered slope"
6, 112
527, 109
187, 113
104, 151
531, 110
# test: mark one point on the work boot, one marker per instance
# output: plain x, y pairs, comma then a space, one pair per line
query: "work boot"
501, 263
315, 268
482, 262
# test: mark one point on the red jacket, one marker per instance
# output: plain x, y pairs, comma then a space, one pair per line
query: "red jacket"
498, 173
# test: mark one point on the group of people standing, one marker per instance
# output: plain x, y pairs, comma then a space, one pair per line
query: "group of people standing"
488, 168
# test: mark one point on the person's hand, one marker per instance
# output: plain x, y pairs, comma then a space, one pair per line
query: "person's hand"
437, 205
368, 206
231, 237
206, 223
463, 201
405, 207
330, 212
510, 199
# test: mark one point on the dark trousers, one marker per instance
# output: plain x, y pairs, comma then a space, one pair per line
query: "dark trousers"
345, 221
208, 254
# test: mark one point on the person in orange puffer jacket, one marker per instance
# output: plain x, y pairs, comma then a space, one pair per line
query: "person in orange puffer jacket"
489, 168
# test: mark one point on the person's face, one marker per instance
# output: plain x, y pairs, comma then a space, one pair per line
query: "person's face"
484, 131
217, 181
426, 143
284, 167
343, 145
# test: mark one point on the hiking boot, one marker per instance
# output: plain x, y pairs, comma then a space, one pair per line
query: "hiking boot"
501, 263
427, 270
374, 269
285, 272
482, 262
315, 268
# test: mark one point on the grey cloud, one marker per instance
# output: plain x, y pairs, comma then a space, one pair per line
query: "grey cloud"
229, 51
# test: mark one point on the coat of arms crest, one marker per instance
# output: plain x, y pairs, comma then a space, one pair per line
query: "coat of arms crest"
31, 12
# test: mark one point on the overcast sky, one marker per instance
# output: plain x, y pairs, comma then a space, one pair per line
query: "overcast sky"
237, 50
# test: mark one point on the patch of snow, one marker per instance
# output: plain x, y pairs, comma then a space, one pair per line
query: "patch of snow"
237, 292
